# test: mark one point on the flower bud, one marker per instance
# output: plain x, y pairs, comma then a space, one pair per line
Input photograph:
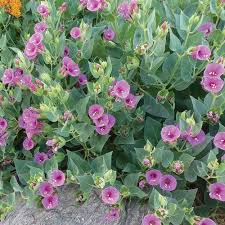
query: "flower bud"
162, 96
177, 167
161, 213
213, 165
148, 147
213, 117
97, 88
99, 181
142, 184
132, 63
45, 77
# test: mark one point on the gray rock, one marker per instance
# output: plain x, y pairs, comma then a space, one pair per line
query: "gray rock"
69, 212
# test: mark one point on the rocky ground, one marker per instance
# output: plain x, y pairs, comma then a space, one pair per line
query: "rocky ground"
69, 212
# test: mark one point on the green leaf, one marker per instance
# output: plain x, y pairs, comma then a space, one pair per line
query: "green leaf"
81, 164
102, 163
137, 192
152, 130
84, 131
131, 179
97, 142
175, 44
86, 183
81, 108
87, 48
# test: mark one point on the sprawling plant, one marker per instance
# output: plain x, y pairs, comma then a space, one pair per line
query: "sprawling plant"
123, 96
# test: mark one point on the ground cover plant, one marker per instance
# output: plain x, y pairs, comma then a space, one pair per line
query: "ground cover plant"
126, 97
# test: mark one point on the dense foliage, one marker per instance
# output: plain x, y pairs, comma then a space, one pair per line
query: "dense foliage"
123, 96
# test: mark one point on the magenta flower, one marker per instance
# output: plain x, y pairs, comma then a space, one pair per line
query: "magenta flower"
168, 183
197, 139
201, 52
31, 51
109, 34
103, 130
50, 202
206, 221
212, 84
217, 191
151, 219
170, 133
57, 178
40, 27
130, 101
121, 89
95, 5
66, 52
70, 67
133, 6
82, 79
8, 76
142, 184
43, 10
101, 121
3, 125
40, 157
63, 7
113, 214
75, 32
36, 39
110, 195
112, 121
219, 140
18, 75
45, 189
28, 144
3, 138
153, 177
214, 70
95, 111
124, 10
206, 28
83, 3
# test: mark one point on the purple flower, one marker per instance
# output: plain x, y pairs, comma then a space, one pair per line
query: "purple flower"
206, 28
110, 195
219, 140
36, 39
40, 157
31, 51
70, 67
153, 177
212, 84
197, 139
75, 32
3, 125
112, 121
8, 76
168, 183
82, 79
101, 121
109, 34
95, 111
206, 221
43, 10
18, 75
214, 70
124, 10
103, 130
50, 202
130, 101
142, 184
45, 189
40, 27
201, 52
63, 7
217, 191
66, 52
3, 138
95, 5
57, 178
28, 144
170, 133
151, 219
113, 214
121, 89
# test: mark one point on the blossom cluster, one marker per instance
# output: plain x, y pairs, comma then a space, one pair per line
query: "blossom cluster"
50, 199
166, 182
120, 90
69, 67
127, 9
93, 5
29, 122
104, 122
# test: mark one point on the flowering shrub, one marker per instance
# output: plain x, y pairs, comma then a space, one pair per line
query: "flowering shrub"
123, 96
